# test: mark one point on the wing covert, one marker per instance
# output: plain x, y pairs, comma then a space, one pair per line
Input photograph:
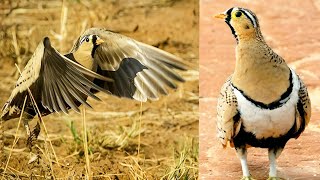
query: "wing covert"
139, 71
228, 120
303, 114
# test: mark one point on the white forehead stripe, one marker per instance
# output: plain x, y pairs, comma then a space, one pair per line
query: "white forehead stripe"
82, 39
251, 17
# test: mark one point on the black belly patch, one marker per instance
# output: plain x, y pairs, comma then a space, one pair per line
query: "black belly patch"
247, 138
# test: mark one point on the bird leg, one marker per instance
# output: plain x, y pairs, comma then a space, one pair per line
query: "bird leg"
242, 154
33, 136
26, 125
273, 153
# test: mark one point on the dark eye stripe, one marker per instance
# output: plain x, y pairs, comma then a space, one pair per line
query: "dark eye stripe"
250, 16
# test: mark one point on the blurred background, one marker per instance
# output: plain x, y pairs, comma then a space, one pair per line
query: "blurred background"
291, 29
126, 139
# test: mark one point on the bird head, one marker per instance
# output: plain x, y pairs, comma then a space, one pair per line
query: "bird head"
92, 39
242, 22
89, 43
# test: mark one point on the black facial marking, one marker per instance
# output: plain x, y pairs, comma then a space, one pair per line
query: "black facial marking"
95, 46
94, 39
233, 32
229, 15
227, 20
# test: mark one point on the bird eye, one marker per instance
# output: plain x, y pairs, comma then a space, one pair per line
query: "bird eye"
85, 38
238, 14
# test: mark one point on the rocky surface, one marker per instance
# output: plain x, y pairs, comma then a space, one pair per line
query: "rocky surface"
292, 29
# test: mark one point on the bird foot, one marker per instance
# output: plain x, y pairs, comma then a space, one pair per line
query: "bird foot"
274, 178
247, 178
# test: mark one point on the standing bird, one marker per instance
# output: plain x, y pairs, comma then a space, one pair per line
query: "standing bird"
99, 61
263, 103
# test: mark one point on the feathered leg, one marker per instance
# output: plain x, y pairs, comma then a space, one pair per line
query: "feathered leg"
273, 153
242, 154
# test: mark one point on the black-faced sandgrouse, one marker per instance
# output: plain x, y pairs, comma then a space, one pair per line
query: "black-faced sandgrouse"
263, 103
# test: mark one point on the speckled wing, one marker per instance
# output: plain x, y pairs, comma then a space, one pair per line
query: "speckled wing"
139, 71
228, 119
56, 83
303, 109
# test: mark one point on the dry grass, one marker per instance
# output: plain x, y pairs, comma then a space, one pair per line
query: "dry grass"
15, 139
185, 160
119, 138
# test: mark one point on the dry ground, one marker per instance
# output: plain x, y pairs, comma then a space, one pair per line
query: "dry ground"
168, 145
292, 29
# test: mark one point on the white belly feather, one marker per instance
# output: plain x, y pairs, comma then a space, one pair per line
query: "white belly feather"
266, 123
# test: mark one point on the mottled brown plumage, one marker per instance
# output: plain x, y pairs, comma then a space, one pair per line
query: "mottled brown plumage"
226, 111
303, 116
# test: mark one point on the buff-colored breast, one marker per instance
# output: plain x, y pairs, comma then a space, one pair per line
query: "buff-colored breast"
260, 73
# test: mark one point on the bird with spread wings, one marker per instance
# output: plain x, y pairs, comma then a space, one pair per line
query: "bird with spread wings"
100, 60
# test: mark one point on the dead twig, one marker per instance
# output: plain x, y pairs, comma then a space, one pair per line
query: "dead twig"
15, 137
85, 144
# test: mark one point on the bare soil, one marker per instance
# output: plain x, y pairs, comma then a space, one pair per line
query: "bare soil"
168, 128
292, 29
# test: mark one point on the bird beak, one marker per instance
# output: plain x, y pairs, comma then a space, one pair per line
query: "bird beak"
99, 41
220, 16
